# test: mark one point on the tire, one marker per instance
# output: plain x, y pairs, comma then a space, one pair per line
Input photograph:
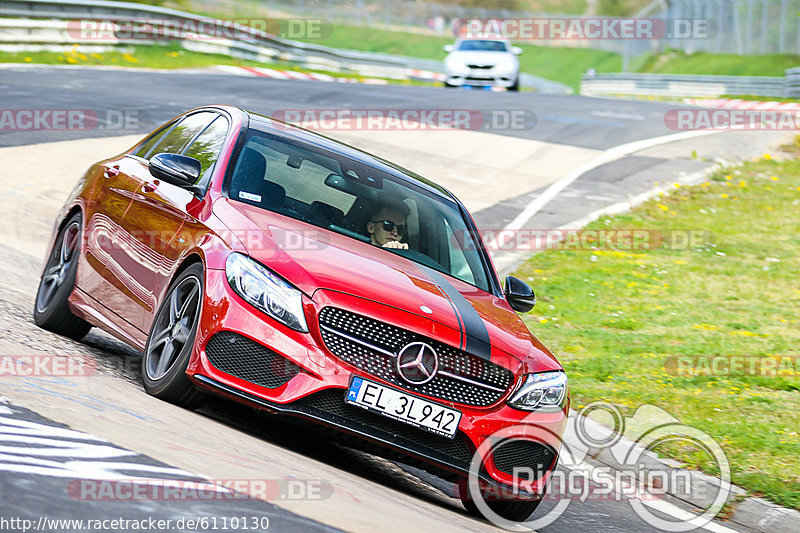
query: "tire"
515, 511
515, 87
171, 341
449, 86
51, 307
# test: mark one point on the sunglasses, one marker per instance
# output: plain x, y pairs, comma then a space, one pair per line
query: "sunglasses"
389, 226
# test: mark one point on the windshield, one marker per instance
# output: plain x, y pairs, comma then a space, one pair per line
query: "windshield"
364, 203
483, 46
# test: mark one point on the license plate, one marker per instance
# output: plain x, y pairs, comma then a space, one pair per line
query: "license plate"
403, 407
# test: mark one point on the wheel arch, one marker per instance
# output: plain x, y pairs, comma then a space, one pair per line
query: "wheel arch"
191, 259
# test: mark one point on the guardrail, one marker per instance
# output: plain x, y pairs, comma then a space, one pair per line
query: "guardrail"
792, 83
690, 85
43, 23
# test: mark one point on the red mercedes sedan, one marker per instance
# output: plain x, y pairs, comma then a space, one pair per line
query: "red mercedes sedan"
261, 262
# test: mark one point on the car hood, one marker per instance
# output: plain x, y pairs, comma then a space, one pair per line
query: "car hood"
312, 258
478, 57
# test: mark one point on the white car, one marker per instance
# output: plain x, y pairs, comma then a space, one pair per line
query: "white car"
482, 62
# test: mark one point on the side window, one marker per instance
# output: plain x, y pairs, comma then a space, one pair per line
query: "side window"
151, 141
207, 145
459, 267
181, 134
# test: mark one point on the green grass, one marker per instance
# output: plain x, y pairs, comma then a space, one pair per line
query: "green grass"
157, 57
722, 64
615, 320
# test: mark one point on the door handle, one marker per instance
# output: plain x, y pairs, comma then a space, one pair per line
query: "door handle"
111, 172
148, 187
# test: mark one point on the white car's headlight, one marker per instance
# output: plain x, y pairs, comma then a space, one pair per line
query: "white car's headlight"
505, 66
264, 290
454, 65
541, 391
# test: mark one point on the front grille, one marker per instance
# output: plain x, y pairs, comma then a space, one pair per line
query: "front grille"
523, 454
331, 401
248, 360
482, 67
372, 346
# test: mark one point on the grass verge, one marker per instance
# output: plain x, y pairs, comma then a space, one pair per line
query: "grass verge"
158, 57
620, 319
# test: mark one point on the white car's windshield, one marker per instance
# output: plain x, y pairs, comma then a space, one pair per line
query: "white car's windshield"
346, 196
483, 46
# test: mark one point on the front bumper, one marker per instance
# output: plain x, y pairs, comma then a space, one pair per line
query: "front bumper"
482, 78
313, 389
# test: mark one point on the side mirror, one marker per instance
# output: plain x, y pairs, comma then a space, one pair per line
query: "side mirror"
449, 48
516, 50
519, 295
180, 170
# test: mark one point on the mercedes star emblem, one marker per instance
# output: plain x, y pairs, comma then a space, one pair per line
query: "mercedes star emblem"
417, 363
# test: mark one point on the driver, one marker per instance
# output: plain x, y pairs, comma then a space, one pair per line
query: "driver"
387, 225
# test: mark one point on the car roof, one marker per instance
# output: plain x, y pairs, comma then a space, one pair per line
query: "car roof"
499, 39
268, 124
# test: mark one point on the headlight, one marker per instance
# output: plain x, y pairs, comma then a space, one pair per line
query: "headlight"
505, 66
540, 391
264, 290
454, 65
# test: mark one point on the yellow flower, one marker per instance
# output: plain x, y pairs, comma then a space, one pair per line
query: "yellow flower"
774, 178
542, 321
767, 157
97, 56
742, 183
728, 178
680, 262
677, 185
28, 60
768, 208
663, 207
129, 58
724, 195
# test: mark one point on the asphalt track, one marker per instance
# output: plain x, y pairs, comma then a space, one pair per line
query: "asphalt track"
408, 499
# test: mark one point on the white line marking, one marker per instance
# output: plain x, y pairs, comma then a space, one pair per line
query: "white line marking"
660, 505
609, 155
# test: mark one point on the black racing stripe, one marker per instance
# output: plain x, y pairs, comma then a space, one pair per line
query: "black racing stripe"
476, 335
462, 336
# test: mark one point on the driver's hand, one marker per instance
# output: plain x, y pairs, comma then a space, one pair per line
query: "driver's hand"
396, 244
